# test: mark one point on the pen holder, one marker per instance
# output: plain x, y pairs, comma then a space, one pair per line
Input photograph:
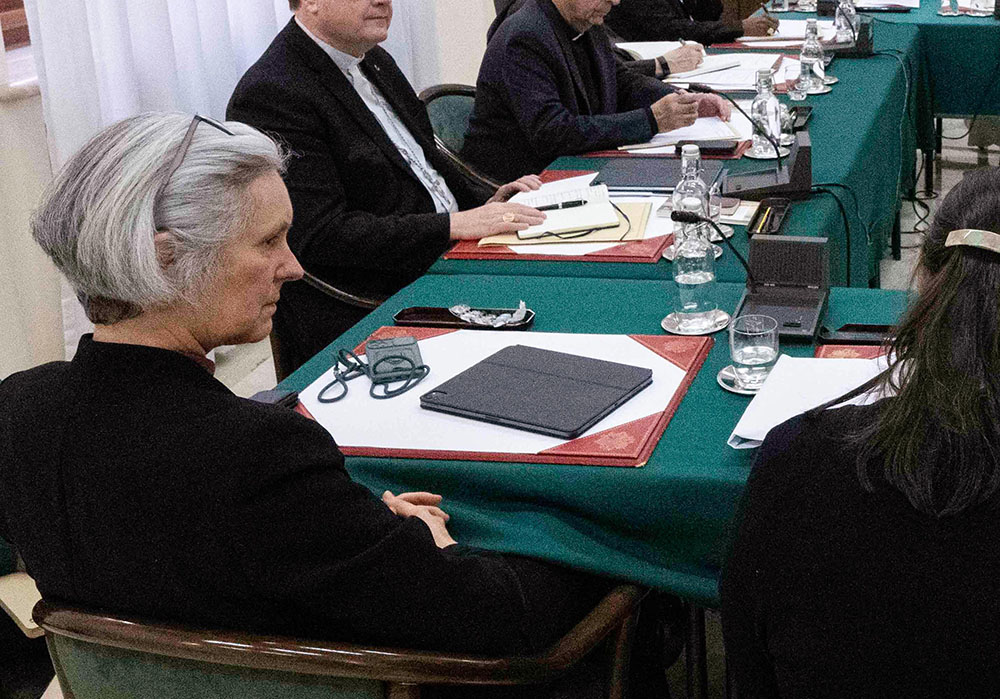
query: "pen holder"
769, 216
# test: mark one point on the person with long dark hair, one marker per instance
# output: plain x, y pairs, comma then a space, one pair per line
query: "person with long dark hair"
866, 560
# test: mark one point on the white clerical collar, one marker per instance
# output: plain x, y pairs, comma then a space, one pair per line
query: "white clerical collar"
344, 61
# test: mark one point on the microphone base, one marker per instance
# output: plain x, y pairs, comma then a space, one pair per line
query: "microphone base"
793, 180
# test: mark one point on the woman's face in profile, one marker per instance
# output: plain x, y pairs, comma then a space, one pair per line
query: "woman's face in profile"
237, 305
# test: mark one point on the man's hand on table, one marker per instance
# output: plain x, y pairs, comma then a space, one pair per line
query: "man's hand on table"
424, 506
687, 57
760, 25
713, 105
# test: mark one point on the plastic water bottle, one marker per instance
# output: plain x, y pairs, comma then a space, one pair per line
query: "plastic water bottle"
694, 274
766, 113
846, 22
812, 56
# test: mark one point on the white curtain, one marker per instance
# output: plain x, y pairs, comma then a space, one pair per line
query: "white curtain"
103, 60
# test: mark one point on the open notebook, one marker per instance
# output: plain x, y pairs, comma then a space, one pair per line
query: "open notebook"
595, 214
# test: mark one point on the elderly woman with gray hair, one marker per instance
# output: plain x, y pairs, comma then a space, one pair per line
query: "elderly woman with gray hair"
133, 480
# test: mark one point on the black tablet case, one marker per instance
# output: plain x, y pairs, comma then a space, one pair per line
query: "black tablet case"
642, 174
539, 390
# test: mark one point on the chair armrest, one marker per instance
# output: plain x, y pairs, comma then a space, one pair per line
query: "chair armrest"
338, 659
18, 594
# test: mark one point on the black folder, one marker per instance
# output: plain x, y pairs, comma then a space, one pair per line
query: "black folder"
650, 174
539, 390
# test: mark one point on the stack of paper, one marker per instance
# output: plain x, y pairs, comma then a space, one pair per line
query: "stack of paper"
703, 129
791, 33
798, 384
740, 77
863, 4
644, 50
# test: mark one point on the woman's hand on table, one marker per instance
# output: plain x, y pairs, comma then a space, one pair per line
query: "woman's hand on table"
527, 183
492, 219
423, 506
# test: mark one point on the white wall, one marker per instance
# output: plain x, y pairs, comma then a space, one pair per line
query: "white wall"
461, 38
30, 310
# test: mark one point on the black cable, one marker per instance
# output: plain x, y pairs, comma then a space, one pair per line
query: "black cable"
355, 367
759, 128
572, 235
979, 107
691, 217
847, 226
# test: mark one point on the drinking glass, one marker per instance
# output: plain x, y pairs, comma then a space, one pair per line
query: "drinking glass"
753, 344
793, 81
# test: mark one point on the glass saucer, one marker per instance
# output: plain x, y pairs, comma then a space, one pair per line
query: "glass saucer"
749, 154
830, 80
727, 379
721, 321
819, 90
668, 252
727, 231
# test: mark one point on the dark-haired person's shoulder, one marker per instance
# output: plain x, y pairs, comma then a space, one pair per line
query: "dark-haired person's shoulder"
805, 451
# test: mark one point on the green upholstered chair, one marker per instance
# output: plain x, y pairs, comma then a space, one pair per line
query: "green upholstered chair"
449, 107
101, 656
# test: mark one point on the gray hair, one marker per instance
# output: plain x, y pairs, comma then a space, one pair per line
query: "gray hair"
98, 217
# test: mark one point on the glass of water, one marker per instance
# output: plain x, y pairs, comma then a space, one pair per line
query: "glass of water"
753, 343
796, 85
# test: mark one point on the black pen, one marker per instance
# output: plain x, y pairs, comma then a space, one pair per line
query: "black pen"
563, 205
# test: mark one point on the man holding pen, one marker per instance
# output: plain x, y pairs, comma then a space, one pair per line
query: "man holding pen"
549, 85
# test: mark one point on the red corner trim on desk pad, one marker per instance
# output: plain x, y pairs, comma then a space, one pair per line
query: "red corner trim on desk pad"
849, 351
742, 148
628, 445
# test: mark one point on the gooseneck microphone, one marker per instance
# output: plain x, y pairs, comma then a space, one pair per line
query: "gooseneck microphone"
705, 89
692, 217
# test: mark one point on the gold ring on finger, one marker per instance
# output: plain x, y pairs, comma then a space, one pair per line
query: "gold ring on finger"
509, 217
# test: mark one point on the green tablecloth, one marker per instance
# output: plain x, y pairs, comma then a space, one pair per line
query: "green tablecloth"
665, 524
962, 56
861, 138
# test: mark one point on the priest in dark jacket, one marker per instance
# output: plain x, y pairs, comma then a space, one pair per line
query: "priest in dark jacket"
694, 20
375, 202
549, 85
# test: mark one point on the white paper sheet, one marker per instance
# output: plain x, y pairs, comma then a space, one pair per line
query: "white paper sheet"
743, 76
400, 423
798, 384
792, 29
703, 129
644, 50
710, 64
913, 4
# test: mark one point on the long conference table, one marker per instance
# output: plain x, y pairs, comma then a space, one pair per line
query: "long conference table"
665, 524
863, 145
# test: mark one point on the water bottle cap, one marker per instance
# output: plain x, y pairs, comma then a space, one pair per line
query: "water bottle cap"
810, 23
763, 73
690, 150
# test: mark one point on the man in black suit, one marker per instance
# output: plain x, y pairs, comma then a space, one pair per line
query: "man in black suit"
549, 85
697, 20
375, 204
679, 60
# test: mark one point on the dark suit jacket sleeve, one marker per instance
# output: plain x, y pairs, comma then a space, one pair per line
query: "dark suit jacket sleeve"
326, 230
638, 91
668, 20
552, 130
313, 538
744, 580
